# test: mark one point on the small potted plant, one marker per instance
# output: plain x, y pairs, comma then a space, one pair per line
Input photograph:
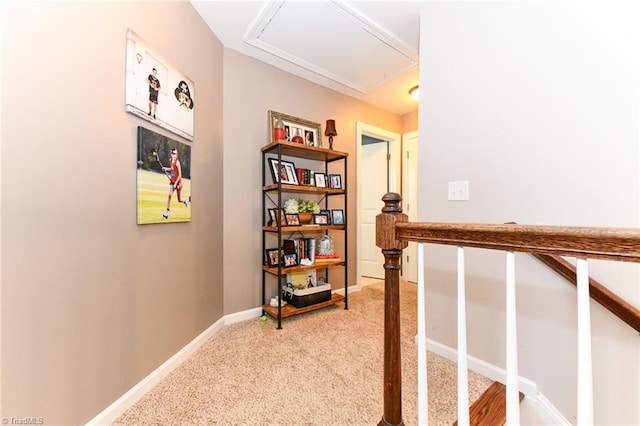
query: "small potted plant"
304, 208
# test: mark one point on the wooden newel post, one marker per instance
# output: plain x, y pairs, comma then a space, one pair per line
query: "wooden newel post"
392, 250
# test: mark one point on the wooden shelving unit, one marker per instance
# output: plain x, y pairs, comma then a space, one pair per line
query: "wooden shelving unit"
273, 236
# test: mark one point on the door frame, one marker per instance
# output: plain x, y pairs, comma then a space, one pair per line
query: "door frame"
410, 142
395, 150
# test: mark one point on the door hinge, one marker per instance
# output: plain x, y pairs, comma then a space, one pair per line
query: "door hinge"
388, 157
407, 154
407, 258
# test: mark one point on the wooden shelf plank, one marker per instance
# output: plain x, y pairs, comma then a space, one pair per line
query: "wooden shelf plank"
318, 265
288, 310
304, 228
303, 188
304, 151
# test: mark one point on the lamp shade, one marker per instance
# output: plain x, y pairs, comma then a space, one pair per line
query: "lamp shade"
330, 129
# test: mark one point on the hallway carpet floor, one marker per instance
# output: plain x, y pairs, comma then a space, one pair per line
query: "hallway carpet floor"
323, 367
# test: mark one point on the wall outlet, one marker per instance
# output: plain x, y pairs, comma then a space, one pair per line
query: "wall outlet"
458, 191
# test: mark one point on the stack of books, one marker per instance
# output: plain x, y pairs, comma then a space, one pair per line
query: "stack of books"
327, 257
305, 176
305, 248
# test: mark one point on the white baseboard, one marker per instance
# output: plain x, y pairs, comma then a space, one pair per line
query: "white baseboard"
353, 288
241, 316
548, 412
526, 386
126, 401
545, 409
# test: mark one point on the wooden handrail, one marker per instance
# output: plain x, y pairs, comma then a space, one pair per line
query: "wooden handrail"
546, 243
611, 301
621, 244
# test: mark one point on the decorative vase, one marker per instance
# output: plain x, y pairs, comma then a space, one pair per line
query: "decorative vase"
305, 218
278, 131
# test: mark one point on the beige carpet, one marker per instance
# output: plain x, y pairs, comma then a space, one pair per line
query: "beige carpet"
323, 367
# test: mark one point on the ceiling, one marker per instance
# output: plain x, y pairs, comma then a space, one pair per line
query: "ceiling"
364, 49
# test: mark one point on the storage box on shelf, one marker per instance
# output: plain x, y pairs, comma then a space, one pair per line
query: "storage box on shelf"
275, 234
301, 298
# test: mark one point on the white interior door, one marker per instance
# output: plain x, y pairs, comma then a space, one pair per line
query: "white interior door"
410, 201
373, 186
372, 178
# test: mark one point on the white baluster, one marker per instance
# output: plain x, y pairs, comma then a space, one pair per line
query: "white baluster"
423, 398
585, 379
513, 398
463, 381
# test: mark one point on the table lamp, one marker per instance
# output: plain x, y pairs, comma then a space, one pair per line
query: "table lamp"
330, 130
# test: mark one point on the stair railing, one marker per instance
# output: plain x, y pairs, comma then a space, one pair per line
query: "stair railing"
393, 232
601, 294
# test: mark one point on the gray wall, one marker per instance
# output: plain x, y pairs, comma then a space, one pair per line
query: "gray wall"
536, 104
91, 302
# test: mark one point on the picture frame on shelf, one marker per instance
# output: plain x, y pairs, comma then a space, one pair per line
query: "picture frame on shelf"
283, 172
309, 137
292, 219
272, 257
335, 181
321, 181
337, 216
290, 260
328, 213
307, 131
273, 216
320, 219
287, 133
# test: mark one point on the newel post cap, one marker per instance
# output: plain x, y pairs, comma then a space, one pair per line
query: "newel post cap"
386, 223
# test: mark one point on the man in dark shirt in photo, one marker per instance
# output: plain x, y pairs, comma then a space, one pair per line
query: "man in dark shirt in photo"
154, 88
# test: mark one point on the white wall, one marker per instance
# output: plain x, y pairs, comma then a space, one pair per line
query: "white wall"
536, 104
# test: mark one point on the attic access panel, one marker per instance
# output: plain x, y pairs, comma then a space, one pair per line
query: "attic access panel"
332, 40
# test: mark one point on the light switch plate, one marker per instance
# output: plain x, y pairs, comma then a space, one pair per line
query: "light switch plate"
458, 191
